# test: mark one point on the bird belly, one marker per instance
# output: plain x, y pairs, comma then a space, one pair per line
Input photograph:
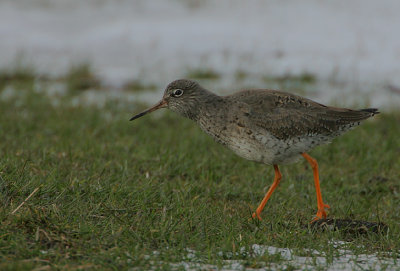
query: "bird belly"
251, 145
251, 150
241, 141
261, 146
289, 151
265, 148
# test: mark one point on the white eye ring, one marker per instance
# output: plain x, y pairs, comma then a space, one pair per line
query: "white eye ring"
177, 92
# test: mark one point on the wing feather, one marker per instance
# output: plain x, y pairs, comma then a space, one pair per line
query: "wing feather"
286, 115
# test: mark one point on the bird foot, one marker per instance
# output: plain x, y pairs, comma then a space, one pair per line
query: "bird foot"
256, 215
321, 212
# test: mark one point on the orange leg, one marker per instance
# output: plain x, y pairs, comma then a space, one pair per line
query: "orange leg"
277, 179
321, 205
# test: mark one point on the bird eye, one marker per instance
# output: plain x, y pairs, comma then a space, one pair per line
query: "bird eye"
177, 92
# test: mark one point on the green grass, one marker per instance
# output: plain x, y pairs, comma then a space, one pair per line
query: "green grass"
138, 86
203, 74
115, 194
80, 78
300, 84
304, 78
16, 75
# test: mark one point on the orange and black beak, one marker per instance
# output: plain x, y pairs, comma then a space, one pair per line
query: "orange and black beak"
162, 104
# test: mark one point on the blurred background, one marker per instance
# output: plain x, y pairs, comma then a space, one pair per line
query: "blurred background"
341, 52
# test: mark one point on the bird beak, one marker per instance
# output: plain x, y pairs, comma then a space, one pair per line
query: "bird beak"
160, 104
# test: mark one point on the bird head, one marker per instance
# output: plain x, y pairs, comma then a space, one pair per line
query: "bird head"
181, 96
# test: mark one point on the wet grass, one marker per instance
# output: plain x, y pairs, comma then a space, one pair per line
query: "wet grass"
300, 84
16, 75
203, 74
304, 78
139, 86
81, 77
114, 194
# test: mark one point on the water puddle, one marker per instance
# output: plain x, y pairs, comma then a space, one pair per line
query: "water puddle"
346, 260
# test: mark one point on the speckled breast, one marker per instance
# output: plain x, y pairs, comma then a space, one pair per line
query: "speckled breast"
245, 142
258, 144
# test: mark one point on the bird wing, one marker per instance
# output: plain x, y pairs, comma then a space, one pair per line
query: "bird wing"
286, 115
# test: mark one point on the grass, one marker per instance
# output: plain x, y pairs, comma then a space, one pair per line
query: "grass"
80, 78
203, 74
304, 78
138, 86
114, 194
16, 75
301, 84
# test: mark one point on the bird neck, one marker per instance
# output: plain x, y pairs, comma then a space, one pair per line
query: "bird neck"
203, 105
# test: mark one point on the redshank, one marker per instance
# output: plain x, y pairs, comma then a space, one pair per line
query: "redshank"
266, 126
